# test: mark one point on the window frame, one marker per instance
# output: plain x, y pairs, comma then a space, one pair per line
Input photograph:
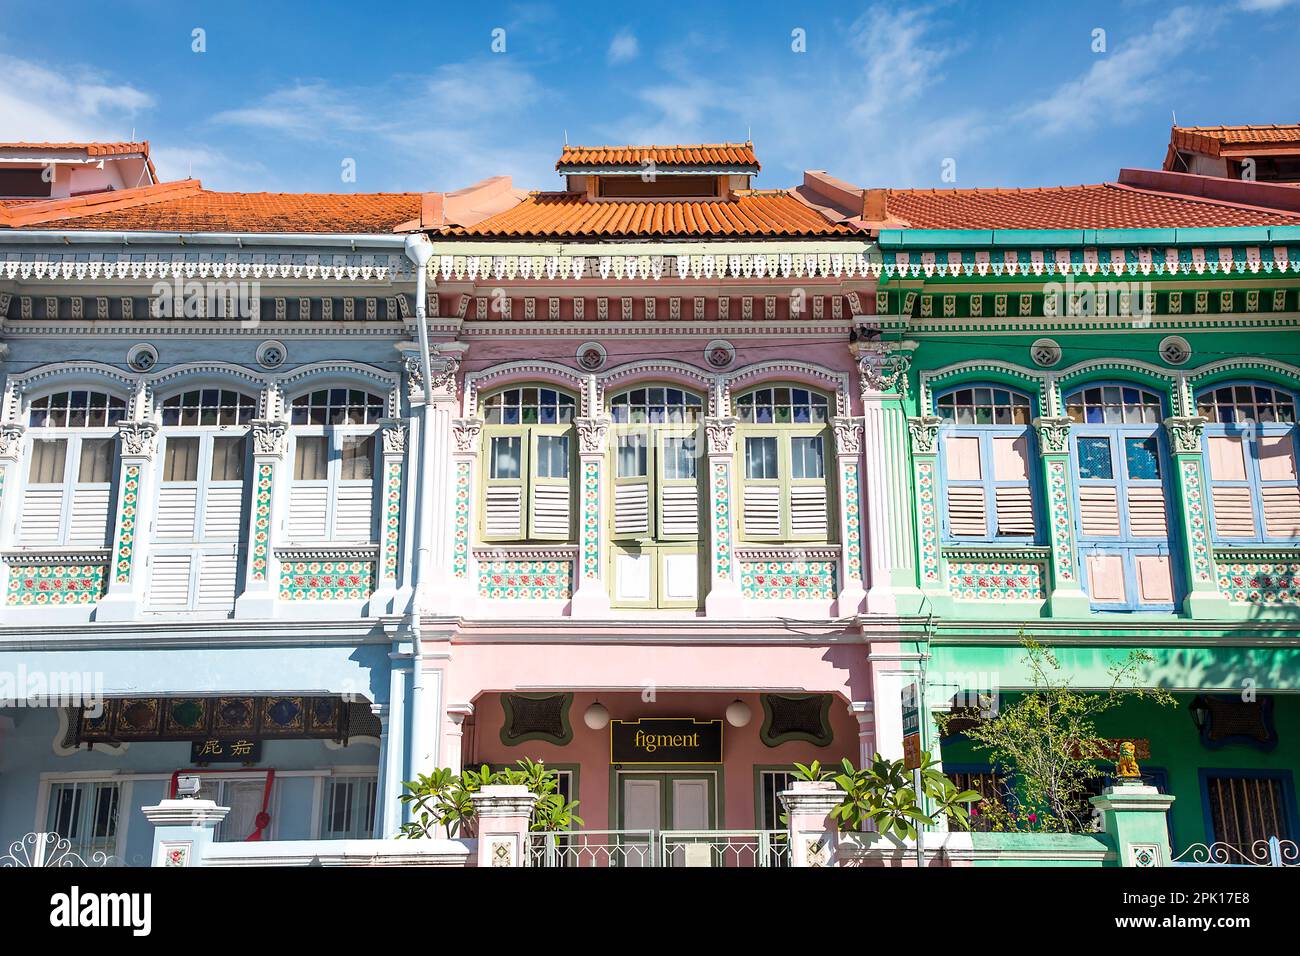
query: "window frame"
335, 436
49, 787
328, 782
1128, 547
529, 435
1249, 435
987, 436
785, 433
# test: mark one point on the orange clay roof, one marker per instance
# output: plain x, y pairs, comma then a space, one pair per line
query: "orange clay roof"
699, 154
1101, 206
187, 207
94, 149
1215, 139
749, 213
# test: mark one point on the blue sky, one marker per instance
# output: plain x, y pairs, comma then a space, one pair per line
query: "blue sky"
1014, 94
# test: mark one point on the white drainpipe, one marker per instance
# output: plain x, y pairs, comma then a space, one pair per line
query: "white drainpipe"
420, 250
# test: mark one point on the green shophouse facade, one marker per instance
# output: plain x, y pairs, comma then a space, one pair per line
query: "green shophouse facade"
1100, 453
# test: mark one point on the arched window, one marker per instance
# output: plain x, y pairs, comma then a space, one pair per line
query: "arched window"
528, 436
987, 450
657, 493
199, 531
1123, 519
1251, 458
785, 444
72, 466
334, 449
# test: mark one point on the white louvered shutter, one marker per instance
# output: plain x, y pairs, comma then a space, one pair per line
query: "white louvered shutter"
966, 512
217, 575
762, 511
169, 581
1015, 511
176, 507
680, 508
503, 511
1099, 511
1146, 512
42, 516
632, 509
550, 474
353, 507
88, 522
308, 512
551, 511
223, 512
808, 512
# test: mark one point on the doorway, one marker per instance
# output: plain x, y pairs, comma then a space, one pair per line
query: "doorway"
667, 801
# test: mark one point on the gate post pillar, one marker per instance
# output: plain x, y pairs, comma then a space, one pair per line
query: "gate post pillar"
1134, 817
503, 812
813, 832
183, 830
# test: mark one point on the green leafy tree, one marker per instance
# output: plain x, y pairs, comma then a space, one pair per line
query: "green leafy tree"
442, 800
1048, 744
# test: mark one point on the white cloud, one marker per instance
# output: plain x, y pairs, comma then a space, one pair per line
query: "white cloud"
623, 47
72, 104
1137, 73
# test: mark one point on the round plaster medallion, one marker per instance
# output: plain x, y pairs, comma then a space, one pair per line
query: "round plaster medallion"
271, 354
1045, 353
719, 353
591, 356
1175, 350
142, 358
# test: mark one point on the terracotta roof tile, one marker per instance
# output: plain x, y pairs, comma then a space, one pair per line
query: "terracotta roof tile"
92, 149
200, 210
557, 215
698, 154
1214, 139
1101, 206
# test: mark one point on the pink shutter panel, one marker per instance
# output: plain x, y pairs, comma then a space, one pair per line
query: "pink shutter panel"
966, 511
1146, 512
1099, 511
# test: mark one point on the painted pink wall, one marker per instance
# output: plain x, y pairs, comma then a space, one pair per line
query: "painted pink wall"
743, 751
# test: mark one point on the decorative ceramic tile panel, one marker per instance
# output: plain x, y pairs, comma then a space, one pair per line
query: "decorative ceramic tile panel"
262, 521
927, 520
1266, 583
460, 547
56, 584
590, 520
392, 517
853, 523
326, 580
525, 580
1058, 498
996, 580
1198, 530
125, 545
787, 580
722, 519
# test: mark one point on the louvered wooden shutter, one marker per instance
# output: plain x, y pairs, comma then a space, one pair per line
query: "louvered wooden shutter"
966, 517
632, 509
176, 507
42, 516
1281, 511
762, 504
808, 512
1015, 511
223, 512
89, 522
503, 511
1234, 512
1146, 513
551, 511
217, 575
308, 512
352, 511
169, 582
1099, 511
680, 511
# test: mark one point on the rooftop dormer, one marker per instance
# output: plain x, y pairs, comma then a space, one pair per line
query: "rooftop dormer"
698, 171
62, 170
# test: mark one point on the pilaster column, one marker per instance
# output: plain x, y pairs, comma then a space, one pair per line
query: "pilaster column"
388, 806
882, 380
865, 714
261, 569
393, 432
127, 579
723, 599
1065, 596
848, 458
465, 434
591, 597
1196, 554
456, 716
11, 452
924, 432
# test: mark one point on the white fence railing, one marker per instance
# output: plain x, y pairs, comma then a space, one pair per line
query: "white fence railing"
1270, 852
725, 848
594, 848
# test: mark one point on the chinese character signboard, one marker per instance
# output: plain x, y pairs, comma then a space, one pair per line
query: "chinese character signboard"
221, 750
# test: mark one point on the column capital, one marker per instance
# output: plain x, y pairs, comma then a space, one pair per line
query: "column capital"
394, 431
882, 367
465, 432
11, 440
1185, 433
721, 430
848, 434
591, 434
138, 439
1053, 434
269, 437
924, 430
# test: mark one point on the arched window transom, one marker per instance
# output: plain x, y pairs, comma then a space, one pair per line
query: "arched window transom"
656, 405
984, 406
219, 407
1114, 405
530, 405
783, 405
1244, 404
336, 406
77, 409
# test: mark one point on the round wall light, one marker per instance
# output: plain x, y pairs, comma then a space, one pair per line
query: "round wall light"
739, 713
596, 716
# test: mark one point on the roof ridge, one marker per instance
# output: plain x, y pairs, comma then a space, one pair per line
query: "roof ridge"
74, 207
